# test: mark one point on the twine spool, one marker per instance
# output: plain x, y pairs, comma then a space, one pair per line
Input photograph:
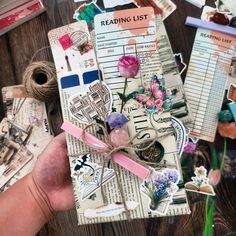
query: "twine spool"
40, 81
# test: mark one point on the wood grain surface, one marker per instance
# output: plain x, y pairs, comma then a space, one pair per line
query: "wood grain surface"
16, 50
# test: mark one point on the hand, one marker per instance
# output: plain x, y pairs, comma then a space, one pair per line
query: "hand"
51, 175
30, 202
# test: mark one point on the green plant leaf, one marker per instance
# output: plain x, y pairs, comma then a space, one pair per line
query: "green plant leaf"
123, 97
214, 160
209, 218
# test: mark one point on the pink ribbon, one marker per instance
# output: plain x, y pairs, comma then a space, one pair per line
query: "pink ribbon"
119, 157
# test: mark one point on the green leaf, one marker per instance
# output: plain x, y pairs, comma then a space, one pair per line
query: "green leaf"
214, 160
209, 218
186, 161
123, 97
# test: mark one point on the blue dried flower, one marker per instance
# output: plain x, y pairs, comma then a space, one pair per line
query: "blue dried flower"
116, 120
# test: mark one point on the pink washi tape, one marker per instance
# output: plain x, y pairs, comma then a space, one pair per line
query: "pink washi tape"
118, 157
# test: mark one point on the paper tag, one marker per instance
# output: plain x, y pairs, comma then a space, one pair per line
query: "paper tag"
72, 58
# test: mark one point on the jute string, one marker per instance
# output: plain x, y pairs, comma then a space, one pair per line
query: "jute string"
40, 79
111, 149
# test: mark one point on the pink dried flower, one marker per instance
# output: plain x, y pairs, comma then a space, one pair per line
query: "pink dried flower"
128, 66
214, 177
190, 148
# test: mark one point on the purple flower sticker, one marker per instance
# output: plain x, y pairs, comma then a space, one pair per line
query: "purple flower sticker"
116, 120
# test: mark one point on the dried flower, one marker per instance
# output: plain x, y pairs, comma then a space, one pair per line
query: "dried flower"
128, 66
214, 177
189, 148
116, 120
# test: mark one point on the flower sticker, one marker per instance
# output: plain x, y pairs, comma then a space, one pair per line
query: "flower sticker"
153, 96
200, 172
128, 66
190, 148
200, 183
160, 188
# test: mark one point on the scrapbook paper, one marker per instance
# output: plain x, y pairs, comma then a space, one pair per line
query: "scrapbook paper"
91, 209
167, 7
87, 12
13, 154
150, 65
231, 95
150, 3
27, 112
206, 80
180, 109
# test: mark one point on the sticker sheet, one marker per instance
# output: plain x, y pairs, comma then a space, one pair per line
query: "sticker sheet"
81, 86
206, 80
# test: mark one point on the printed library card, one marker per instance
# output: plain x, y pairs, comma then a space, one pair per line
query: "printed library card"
206, 80
127, 32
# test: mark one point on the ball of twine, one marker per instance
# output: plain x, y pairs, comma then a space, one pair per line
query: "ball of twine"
40, 81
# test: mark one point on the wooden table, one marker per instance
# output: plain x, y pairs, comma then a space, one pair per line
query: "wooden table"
16, 49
